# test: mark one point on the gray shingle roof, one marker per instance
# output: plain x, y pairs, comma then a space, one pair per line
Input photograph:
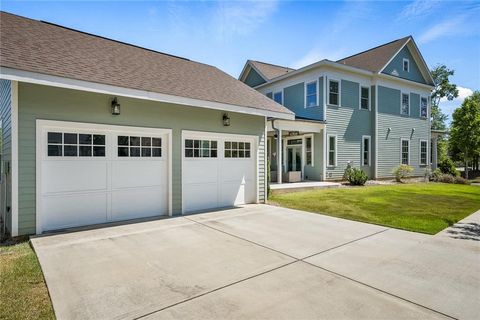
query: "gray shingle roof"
270, 70
41, 47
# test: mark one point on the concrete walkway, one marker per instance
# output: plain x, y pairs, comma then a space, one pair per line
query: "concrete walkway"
259, 262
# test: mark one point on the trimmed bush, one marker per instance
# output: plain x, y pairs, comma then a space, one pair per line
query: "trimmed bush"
445, 178
402, 171
355, 176
447, 166
460, 180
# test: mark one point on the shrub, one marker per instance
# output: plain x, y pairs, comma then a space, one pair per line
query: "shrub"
445, 178
447, 166
460, 180
355, 176
402, 171
435, 174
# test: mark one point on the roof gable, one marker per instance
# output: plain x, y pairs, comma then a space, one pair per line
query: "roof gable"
395, 67
43, 48
253, 78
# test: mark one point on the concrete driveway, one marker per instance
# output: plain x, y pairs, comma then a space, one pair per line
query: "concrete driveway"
260, 262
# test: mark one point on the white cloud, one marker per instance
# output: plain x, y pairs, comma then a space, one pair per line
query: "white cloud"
317, 54
448, 107
241, 17
418, 8
448, 27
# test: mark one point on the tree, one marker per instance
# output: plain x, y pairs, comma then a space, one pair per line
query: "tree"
465, 131
443, 89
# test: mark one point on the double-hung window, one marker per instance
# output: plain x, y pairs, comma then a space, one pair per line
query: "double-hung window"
423, 152
405, 108
332, 151
311, 94
333, 92
278, 97
365, 98
308, 151
405, 151
366, 150
423, 107
406, 65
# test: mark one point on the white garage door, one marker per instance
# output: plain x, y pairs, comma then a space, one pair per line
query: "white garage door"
219, 170
92, 174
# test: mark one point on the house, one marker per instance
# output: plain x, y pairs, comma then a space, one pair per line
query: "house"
370, 110
95, 130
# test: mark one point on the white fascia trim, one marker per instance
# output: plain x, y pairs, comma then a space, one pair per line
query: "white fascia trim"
376, 133
55, 81
14, 157
322, 63
297, 125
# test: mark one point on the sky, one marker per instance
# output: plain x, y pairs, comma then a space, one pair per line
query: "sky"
289, 33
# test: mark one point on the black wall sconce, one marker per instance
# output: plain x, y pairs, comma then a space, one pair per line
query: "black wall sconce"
226, 120
115, 107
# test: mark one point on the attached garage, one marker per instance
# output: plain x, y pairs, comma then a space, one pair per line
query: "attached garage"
90, 173
218, 170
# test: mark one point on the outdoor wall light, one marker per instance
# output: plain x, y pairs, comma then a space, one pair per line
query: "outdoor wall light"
115, 107
226, 120
388, 130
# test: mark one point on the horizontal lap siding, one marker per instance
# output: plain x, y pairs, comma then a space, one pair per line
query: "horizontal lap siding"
42, 102
400, 128
315, 172
5, 116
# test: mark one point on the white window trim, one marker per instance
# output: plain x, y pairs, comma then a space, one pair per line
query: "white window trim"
317, 93
420, 107
420, 153
312, 150
328, 150
408, 64
401, 103
401, 142
369, 151
360, 98
339, 92
275, 92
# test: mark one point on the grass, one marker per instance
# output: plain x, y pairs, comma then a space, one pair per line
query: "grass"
424, 207
23, 293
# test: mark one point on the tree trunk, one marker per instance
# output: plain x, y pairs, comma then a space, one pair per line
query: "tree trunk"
466, 165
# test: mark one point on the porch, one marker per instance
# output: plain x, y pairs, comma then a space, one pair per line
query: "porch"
295, 151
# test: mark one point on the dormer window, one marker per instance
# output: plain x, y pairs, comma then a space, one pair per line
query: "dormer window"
406, 65
278, 97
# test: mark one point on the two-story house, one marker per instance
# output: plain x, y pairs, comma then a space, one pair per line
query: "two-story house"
371, 110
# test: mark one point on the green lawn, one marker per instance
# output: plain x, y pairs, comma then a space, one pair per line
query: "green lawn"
427, 208
23, 293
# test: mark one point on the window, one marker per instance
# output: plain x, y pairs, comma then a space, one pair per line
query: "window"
423, 107
333, 92
311, 94
75, 144
365, 98
423, 152
269, 95
405, 110
406, 65
133, 146
278, 97
405, 150
366, 150
308, 151
200, 148
332, 151
236, 149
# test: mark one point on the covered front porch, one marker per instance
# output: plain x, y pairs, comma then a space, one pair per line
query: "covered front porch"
295, 150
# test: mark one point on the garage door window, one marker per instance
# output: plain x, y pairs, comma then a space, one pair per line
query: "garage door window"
200, 148
237, 149
134, 146
75, 144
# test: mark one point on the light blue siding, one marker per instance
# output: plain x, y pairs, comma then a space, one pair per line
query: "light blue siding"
414, 105
294, 99
395, 67
315, 172
350, 94
253, 79
6, 152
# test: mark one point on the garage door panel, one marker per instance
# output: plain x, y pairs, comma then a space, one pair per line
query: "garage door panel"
232, 194
200, 171
138, 173
237, 171
200, 196
138, 202
68, 176
74, 210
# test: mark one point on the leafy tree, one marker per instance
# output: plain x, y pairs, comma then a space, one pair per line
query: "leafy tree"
465, 132
443, 89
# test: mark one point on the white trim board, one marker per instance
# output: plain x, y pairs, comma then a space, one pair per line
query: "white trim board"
14, 157
55, 81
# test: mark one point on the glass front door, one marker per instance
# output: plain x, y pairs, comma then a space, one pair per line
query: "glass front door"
294, 158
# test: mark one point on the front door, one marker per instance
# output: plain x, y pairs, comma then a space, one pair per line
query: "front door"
294, 158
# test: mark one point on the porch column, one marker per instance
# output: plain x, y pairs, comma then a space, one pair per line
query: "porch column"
279, 156
434, 153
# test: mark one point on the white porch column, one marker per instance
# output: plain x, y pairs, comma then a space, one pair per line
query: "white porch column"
434, 153
279, 156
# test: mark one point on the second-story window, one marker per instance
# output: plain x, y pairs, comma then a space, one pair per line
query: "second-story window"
269, 95
423, 107
311, 99
406, 65
278, 97
405, 110
333, 92
365, 96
